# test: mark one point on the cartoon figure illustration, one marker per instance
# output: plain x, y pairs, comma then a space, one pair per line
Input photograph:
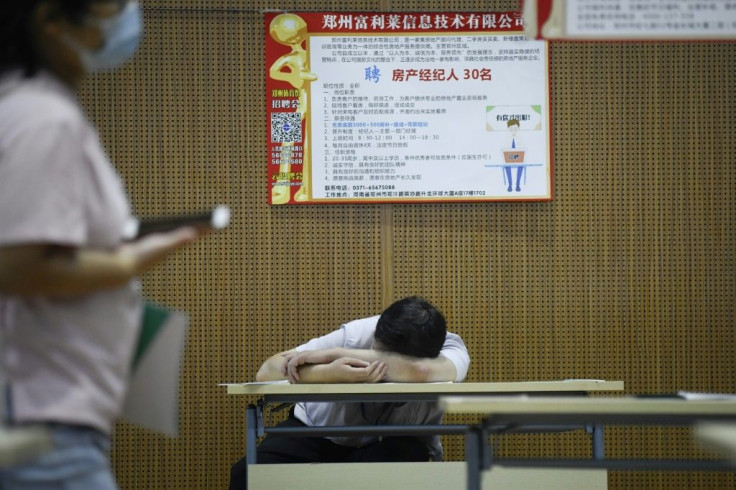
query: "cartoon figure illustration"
514, 155
293, 67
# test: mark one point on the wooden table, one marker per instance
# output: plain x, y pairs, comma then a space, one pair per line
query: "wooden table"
513, 411
283, 393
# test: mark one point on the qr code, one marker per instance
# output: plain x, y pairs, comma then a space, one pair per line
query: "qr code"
286, 127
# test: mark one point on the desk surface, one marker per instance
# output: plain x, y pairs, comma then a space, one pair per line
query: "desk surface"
506, 405
403, 476
429, 388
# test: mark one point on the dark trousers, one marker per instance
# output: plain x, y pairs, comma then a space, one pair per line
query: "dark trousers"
290, 449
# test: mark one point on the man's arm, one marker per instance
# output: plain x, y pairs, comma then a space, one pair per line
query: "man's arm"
272, 368
409, 369
327, 370
399, 368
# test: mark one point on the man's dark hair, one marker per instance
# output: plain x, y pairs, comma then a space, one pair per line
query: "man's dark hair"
412, 326
16, 39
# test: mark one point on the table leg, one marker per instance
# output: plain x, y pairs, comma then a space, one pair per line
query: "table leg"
598, 446
477, 455
251, 432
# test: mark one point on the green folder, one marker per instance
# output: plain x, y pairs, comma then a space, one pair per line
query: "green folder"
154, 318
152, 400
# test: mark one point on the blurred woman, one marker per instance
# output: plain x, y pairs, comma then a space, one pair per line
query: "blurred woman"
70, 305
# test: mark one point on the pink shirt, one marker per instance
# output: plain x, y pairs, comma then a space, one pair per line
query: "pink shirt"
64, 360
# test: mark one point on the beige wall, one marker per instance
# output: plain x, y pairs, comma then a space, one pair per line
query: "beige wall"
629, 273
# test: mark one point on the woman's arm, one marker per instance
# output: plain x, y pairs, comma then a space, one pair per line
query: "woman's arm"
61, 271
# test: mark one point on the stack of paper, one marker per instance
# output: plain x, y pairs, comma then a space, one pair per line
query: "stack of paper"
604, 20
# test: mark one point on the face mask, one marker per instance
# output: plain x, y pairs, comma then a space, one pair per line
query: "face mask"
121, 35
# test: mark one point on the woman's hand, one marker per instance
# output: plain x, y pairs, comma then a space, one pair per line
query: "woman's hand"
64, 271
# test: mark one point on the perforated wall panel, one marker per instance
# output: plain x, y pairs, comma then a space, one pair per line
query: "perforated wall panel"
628, 274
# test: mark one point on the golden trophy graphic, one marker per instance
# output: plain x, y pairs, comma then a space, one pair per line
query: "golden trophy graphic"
293, 68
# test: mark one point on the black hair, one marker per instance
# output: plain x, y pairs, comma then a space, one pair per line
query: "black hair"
16, 36
412, 326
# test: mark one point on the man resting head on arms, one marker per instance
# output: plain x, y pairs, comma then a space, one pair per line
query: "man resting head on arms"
403, 344
407, 343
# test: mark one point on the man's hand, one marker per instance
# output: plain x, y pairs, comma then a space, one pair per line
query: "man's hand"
349, 370
334, 365
294, 359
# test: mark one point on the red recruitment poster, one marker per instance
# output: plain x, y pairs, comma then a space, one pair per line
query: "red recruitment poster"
406, 107
536, 14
